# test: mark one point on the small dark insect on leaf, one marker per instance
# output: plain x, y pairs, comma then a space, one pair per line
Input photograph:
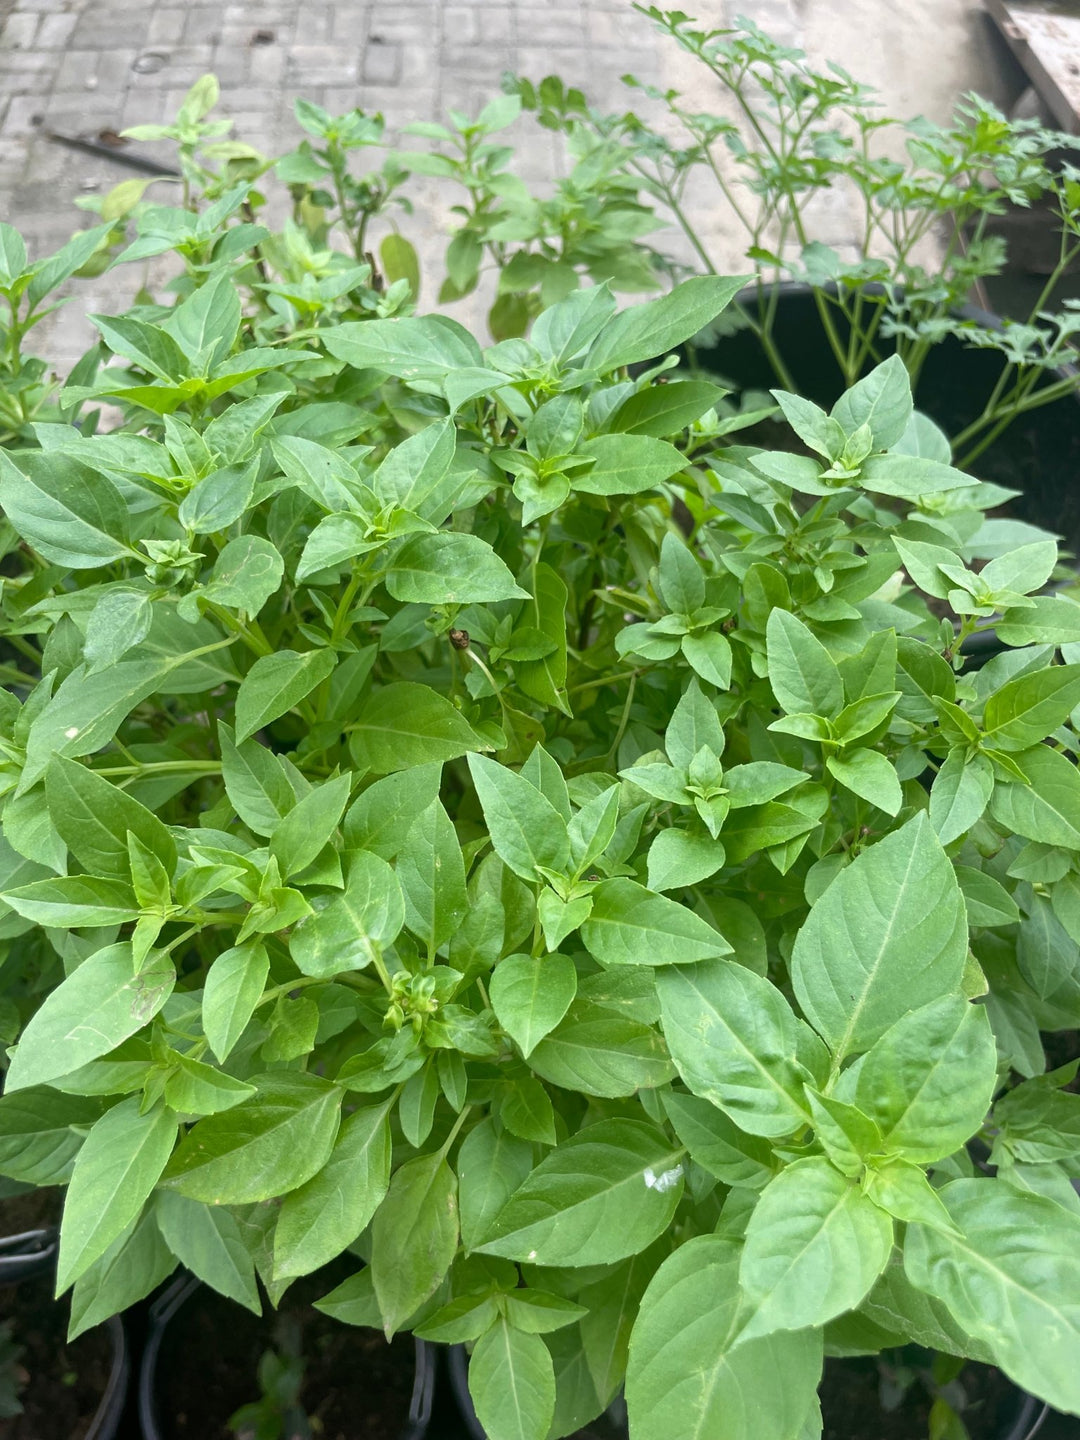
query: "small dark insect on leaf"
459, 639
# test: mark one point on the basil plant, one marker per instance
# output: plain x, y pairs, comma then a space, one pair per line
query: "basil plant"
463, 811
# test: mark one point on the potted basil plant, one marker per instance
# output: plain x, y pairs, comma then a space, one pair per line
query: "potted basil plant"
462, 816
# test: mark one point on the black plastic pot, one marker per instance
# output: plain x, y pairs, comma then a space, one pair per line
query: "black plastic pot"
187, 1289
31, 1256
1038, 454
1025, 1425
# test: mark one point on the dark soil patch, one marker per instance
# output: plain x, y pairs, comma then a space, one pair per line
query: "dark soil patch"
60, 1385
851, 1403
355, 1385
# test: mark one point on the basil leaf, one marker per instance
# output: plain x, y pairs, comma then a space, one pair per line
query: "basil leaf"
100, 1004
889, 934
601, 1195
714, 1381
265, 1147
1009, 1278
814, 1247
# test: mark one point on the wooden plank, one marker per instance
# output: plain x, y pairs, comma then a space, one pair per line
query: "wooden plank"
1044, 35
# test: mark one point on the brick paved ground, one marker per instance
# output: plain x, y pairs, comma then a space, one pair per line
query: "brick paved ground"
80, 66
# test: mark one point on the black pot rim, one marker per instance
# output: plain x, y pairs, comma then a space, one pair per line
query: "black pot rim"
184, 1288
107, 1416
1025, 1426
31, 1252
988, 319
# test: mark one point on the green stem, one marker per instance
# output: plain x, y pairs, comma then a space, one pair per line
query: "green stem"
1027, 401
454, 1132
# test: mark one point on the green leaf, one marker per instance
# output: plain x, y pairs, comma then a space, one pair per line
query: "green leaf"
399, 261
379, 820
207, 322
450, 568
544, 680
928, 1081
246, 573
405, 724
538, 1313
431, 872
691, 1373
627, 465
353, 1302
465, 1318
219, 499
896, 1305
526, 1110
629, 925
601, 1053
119, 621
1025, 710
277, 683
960, 793
100, 1004
1022, 568
1010, 1278
41, 1133
693, 724
868, 774
94, 818
681, 582
988, 902
888, 935
802, 673
717, 1144
309, 826
664, 409
70, 514
564, 329
1045, 953
710, 657
526, 829
257, 786
512, 1384
909, 477
1049, 620
425, 346
645, 331
814, 1246
233, 988
12, 254
51, 272
324, 1216
130, 1269
679, 858
349, 931
114, 1173
193, 1088
531, 994
1047, 809
414, 1237
207, 1241
74, 901
881, 400
603, 1194
491, 1165
904, 1192
734, 1039
267, 1146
